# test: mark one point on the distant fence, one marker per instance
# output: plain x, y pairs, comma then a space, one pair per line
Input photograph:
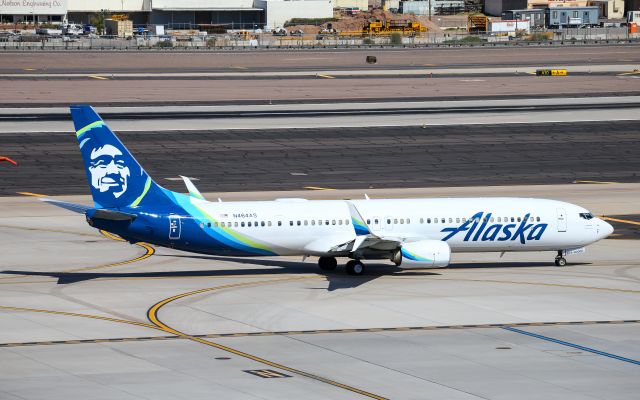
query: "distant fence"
265, 41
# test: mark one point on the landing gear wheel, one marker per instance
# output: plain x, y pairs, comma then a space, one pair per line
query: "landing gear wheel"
355, 267
327, 263
561, 261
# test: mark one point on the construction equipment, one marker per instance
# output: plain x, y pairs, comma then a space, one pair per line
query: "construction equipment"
383, 26
119, 28
477, 23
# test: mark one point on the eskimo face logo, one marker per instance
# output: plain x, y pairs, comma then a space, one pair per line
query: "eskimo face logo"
109, 172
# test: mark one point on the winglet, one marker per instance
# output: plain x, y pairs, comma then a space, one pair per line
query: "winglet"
193, 190
359, 223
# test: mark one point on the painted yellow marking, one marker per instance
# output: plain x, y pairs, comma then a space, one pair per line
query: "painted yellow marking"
31, 194
430, 65
69, 314
317, 188
152, 314
325, 76
102, 78
634, 72
29, 69
595, 182
624, 221
238, 67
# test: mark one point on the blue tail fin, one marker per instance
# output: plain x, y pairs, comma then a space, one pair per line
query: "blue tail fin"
116, 179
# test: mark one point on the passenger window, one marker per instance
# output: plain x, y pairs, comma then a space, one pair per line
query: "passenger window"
428, 220
450, 220
457, 220
326, 222
222, 224
512, 219
519, 219
306, 222
268, 223
279, 223
215, 224
388, 222
262, 223
299, 222
499, 219
346, 221
368, 222
333, 222
290, 223
492, 219
464, 219
340, 222
443, 220
313, 222
395, 221
422, 220
242, 224
531, 219
538, 219
208, 224
408, 221
319, 222
402, 220
235, 224
249, 224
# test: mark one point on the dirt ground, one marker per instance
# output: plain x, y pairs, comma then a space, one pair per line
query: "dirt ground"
353, 23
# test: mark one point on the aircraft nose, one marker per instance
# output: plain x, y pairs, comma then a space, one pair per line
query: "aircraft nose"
605, 229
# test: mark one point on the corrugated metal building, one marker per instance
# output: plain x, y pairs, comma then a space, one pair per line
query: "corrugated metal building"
497, 7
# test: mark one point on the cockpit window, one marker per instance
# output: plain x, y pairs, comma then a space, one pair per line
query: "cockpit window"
586, 216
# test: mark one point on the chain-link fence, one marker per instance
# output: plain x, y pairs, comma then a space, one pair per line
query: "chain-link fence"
252, 40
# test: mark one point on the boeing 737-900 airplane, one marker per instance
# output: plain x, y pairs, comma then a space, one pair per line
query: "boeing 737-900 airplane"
412, 233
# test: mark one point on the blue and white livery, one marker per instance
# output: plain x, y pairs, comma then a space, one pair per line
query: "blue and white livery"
412, 233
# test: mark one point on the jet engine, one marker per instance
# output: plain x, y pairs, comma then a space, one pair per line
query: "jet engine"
423, 254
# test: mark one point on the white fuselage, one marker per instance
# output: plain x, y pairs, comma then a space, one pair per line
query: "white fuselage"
301, 227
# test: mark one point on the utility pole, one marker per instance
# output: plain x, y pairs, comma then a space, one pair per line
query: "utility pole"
429, 10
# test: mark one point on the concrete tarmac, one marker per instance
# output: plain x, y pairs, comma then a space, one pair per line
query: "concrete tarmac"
367, 157
86, 316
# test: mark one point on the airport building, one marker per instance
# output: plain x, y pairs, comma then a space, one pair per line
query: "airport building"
172, 13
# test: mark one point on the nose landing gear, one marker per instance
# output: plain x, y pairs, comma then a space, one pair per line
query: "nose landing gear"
560, 260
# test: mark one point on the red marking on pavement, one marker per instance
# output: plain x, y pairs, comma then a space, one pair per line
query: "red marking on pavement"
7, 159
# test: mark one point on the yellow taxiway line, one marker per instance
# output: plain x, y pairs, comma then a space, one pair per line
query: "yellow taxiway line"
624, 221
152, 314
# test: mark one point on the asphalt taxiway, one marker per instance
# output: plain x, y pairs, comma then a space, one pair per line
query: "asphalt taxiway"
85, 315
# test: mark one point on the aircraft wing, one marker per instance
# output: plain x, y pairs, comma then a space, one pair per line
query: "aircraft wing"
99, 213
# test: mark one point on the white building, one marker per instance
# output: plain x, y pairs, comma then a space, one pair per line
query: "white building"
363, 5
173, 13
277, 12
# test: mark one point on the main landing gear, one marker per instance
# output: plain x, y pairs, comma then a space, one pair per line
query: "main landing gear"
354, 267
560, 261
327, 263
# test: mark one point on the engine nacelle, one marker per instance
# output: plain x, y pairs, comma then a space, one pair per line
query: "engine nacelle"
425, 254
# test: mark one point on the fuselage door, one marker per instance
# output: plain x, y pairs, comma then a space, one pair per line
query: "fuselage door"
562, 220
174, 227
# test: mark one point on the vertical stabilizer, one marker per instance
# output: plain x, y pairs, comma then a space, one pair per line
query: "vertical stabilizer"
115, 177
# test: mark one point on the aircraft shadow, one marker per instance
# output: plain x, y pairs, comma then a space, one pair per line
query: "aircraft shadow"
337, 279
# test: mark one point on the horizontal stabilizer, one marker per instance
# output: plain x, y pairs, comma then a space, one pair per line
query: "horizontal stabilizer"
77, 208
112, 215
